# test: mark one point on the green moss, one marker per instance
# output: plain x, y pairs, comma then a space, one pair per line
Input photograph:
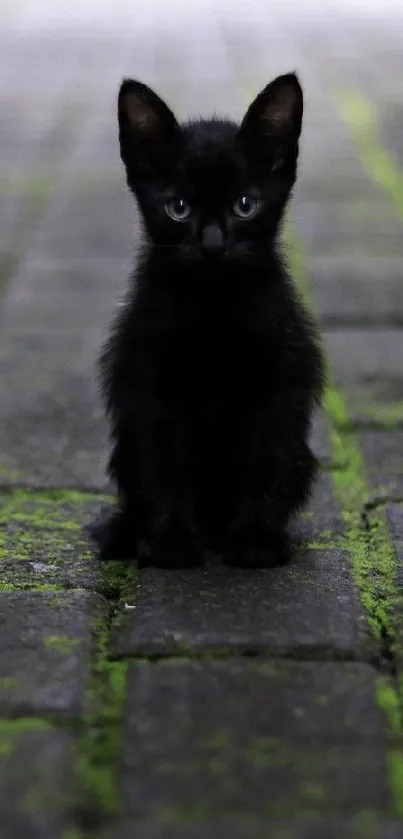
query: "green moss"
7, 683
387, 699
395, 762
359, 116
61, 644
101, 745
10, 730
27, 586
49, 509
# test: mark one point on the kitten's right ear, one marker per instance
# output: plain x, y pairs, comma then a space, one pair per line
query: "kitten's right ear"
147, 127
272, 124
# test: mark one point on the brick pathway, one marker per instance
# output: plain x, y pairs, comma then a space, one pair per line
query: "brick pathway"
206, 703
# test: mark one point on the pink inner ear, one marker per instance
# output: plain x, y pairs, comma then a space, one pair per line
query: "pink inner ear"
139, 113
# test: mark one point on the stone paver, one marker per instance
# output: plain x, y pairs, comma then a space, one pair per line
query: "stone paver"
36, 769
46, 643
43, 541
287, 829
263, 739
264, 611
212, 702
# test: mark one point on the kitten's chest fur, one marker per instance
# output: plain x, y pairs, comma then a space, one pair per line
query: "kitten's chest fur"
209, 367
215, 342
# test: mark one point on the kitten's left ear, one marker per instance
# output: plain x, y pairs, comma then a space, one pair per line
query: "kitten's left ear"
272, 124
147, 127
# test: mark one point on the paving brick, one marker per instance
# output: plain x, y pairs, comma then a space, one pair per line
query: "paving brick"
320, 439
366, 364
394, 513
94, 222
274, 740
54, 428
394, 518
46, 641
43, 541
356, 228
256, 828
320, 522
309, 605
357, 292
358, 355
35, 780
55, 437
382, 452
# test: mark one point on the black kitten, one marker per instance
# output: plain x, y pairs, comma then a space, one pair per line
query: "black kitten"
213, 367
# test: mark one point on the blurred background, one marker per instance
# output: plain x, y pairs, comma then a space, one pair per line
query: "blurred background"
67, 224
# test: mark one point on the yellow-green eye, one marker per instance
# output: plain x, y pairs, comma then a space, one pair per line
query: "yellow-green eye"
246, 206
177, 209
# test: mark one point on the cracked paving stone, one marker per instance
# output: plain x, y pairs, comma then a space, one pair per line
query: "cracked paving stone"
207, 740
309, 605
35, 776
46, 640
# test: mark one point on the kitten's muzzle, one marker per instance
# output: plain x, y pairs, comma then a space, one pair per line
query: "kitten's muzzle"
212, 240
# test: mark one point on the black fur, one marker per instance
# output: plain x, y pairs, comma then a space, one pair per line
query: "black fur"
213, 367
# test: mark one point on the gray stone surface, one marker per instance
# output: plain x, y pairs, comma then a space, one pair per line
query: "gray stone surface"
359, 355
357, 292
35, 780
366, 364
320, 522
44, 541
382, 452
265, 739
359, 228
394, 513
55, 435
255, 828
46, 642
320, 439
309, 605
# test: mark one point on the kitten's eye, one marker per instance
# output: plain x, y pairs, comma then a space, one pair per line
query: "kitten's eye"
177, 209
246, 206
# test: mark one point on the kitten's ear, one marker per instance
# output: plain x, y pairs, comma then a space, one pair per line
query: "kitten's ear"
147, 127
272, 124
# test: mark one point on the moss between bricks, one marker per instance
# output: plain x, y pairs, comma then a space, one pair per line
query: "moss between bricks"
372, 557
99, 749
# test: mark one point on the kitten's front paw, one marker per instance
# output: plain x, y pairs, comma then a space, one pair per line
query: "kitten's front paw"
114, 537
171, 548
257, 548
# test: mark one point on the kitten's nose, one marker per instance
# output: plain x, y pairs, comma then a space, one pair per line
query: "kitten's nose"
212, 240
